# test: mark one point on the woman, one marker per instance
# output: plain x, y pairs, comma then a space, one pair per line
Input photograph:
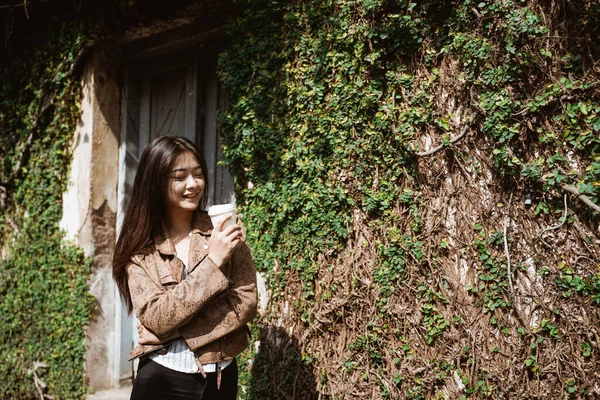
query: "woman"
192, 286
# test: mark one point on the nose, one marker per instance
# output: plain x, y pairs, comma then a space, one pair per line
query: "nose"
191, 182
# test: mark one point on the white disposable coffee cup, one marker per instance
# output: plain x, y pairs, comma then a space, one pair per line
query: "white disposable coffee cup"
218, 212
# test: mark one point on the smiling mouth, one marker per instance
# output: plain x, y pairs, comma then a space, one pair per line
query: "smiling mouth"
191, 196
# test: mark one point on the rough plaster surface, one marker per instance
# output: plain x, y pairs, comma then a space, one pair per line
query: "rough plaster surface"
90, 205
105, 155
77, 197
100, 333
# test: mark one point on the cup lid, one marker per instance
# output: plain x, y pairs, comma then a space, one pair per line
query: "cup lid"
221, 208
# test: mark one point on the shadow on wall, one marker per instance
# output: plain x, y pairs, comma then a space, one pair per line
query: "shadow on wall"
278, 371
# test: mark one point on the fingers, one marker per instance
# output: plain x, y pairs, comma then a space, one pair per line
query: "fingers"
233, 231
147, 337
224, 239
143, 335
221, 224
226, 223
144, 340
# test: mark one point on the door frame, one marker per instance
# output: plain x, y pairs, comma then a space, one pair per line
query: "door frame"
199, 56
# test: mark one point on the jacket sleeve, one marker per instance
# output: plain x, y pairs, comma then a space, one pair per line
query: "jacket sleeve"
163, 311
229, 311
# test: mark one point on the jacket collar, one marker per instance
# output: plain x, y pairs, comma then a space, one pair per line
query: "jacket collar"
201, 226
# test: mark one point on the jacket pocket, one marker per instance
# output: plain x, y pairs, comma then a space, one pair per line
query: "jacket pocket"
169, 286
168, 282
143, 350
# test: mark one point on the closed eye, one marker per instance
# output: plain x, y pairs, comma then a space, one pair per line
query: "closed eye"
184, 171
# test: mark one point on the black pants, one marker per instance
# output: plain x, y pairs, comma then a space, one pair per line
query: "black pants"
155, 382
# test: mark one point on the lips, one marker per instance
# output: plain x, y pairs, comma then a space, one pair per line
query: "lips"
191, 195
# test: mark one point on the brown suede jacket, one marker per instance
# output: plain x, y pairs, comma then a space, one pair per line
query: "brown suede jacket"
210, 308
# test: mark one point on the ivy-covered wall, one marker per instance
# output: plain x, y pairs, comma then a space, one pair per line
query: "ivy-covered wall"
44, 299
420, 185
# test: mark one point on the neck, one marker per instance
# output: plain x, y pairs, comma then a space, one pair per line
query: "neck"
179, 224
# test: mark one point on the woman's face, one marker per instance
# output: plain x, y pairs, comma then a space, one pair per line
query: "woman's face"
186, 184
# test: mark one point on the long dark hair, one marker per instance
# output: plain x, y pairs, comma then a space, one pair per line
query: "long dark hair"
145, 212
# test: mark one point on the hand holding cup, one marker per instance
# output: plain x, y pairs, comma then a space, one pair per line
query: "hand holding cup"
225, 237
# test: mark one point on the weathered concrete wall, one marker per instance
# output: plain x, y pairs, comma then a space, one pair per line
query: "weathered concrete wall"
90, 205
